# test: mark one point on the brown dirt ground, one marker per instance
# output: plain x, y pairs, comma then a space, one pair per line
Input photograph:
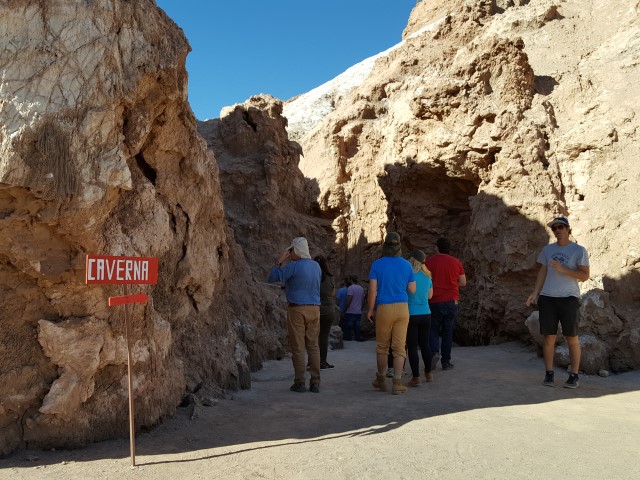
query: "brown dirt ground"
489, 417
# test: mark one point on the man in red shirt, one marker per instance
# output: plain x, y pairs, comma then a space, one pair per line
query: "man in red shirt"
448, 276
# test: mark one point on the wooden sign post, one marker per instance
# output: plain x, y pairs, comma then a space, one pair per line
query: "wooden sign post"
111, 270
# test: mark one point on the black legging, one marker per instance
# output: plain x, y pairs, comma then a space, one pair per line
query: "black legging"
418, 336
326, 320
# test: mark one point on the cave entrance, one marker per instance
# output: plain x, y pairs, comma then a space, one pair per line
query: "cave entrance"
424, 203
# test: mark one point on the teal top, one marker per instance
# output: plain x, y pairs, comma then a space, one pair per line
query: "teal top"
419, 301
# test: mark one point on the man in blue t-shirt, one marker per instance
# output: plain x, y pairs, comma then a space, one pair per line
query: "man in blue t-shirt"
301, 277
391, 279
562, 265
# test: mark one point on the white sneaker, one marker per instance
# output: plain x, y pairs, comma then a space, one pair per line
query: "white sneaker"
390, 373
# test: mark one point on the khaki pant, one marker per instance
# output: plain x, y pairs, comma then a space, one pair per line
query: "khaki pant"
392, 321
304, 326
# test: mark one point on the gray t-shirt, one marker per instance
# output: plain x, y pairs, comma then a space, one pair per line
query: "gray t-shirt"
570, 256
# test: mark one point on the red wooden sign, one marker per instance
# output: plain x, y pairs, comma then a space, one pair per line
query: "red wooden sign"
106, 269
126, 299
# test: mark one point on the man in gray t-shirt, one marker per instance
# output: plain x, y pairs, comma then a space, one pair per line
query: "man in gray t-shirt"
562, 265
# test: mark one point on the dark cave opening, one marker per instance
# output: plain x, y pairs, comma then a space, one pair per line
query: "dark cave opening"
424, 204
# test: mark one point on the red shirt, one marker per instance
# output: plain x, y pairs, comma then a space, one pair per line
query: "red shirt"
445, 270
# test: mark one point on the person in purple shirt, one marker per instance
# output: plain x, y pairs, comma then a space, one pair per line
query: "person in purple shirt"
301, 277
341, 298
353, 310
391, 279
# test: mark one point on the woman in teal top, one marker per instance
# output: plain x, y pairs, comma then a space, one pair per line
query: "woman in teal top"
419, 319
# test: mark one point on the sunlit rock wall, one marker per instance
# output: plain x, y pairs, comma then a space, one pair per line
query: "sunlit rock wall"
488, 119
99, 154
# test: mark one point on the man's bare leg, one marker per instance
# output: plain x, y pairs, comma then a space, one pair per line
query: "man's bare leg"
549, 350
574, 353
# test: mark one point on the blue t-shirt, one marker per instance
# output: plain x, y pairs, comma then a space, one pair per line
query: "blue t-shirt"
571, 256
392, 274
341, 298
301, 281
419, 301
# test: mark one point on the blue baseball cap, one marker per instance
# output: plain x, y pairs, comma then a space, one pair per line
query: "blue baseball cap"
561, 220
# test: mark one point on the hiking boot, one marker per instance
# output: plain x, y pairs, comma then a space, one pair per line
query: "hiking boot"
298, 387
380, 383
390, 373
572, 381
398, 387
447, 366
548, 379
428, 376
314, 387
434, 361
414, 382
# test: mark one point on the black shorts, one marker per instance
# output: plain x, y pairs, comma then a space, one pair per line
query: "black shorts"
558, 309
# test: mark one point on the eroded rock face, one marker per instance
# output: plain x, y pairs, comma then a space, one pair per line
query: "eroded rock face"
99, 154
266, 198
488, 119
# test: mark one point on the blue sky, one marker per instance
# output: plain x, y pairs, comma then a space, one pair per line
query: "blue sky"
281, 47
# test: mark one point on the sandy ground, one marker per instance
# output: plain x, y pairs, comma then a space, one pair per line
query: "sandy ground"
490, 417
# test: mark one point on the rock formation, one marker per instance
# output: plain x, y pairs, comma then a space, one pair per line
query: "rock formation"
99, 154
266, 199
489, 118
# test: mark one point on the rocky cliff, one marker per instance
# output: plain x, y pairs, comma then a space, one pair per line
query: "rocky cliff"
99, 154
267, 200
488, 119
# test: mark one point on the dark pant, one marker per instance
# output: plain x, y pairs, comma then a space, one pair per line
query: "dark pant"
443, 320
326, 320
418, 336
352, 325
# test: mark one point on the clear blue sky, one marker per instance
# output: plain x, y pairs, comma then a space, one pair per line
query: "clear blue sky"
281, 47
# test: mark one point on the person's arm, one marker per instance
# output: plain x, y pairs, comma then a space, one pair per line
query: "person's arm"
371, 298
542, 274
582, 274
430, 293
275, 275
411, 287
462, 281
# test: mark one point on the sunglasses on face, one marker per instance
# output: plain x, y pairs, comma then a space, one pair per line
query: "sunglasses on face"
557, 227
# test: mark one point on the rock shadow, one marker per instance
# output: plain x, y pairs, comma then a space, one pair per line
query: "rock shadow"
544, 84
624, 298
271, 416
496, 244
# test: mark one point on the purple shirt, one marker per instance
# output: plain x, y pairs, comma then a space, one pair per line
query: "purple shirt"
357, 293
